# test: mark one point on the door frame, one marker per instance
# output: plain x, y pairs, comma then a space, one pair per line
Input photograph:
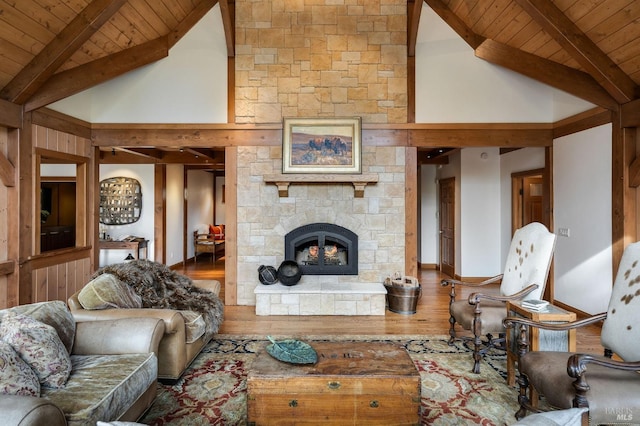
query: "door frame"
517, 188
450, 270
547, 207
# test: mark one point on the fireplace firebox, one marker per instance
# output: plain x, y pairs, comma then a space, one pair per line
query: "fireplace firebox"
323, 249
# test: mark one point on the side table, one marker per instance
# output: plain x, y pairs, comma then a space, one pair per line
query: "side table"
135, 245
539, 339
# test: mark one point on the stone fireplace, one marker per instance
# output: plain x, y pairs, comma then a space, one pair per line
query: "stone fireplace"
323, 58
323, 249
265, 217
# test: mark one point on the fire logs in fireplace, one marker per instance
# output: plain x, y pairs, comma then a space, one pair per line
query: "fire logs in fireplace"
323, 249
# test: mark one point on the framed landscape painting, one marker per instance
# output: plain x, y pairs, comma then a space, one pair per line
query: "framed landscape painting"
321, 145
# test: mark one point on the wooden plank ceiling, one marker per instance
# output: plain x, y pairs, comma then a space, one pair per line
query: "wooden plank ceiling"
52, 49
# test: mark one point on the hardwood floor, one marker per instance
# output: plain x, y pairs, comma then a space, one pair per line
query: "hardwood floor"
432, 316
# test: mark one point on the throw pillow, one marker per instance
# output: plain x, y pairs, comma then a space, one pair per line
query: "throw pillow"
54, 313
217, 231
16, 377
39, 346
107, 291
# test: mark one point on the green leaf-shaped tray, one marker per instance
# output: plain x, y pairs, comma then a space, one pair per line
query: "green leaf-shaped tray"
292, 351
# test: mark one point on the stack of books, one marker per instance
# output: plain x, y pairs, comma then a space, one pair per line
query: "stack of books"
535, 305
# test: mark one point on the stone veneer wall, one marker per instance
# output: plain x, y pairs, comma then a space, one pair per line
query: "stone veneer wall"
264, 218
321, 58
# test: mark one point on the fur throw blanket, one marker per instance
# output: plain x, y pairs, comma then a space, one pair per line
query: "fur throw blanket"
161, 287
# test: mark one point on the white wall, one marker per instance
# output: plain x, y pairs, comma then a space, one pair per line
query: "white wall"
582, 203
429, 223
480, 222
453, 86
185, 87
220, 205
175, 214
200, 207
58, 170
141, 228
199, 203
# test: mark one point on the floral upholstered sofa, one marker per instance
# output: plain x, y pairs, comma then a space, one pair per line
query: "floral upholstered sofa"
54, 371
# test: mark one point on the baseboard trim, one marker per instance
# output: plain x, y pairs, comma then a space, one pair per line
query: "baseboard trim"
474, 279
180, 265
430, 266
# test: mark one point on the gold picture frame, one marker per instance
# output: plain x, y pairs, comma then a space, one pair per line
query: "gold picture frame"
322, 145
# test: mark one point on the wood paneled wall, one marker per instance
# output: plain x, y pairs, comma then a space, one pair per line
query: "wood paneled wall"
60, 280
25, 275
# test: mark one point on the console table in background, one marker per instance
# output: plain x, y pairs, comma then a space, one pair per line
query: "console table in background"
135, 245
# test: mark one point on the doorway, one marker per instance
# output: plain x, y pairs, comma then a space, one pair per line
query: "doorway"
447, 226
527, 198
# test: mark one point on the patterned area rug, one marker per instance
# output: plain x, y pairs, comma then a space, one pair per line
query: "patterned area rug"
213, 390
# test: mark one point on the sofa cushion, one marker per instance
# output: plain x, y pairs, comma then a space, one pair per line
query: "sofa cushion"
107, 291
39, 346
54, 313
194, 324
16, 377
103, 387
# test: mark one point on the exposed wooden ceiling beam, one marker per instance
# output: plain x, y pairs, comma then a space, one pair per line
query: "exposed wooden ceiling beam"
582, 121
414, 10
83, 77
61, 48
227, 8
10, 114
630, 114
169, 155
7, 171
46, 117
458, 137
207, 153
455, 23
151, 153
561, 77
634, 173
190, 20
435, 156
602, 68
423, 160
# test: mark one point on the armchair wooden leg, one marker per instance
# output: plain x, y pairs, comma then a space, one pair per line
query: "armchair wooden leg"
477, 354
523, 399
452, 330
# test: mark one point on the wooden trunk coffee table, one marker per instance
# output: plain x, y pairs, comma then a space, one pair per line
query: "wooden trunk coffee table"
352, 383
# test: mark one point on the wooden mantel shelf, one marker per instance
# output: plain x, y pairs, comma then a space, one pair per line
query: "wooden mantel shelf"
359, 181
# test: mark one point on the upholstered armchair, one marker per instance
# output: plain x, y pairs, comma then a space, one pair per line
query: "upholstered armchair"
524, 277
608, 387
209, 239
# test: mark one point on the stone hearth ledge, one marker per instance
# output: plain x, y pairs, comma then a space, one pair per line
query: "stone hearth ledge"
321, 299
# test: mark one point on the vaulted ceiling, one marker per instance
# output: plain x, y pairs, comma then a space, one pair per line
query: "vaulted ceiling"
52, 49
